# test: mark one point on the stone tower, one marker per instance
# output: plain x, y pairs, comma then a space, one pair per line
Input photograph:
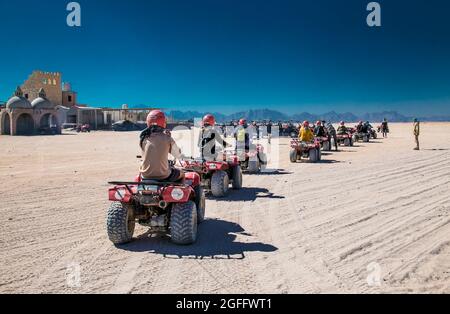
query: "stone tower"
48, 81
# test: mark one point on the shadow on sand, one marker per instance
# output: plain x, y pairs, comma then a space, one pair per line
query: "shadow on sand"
437, 149
268, 172
248, 194
215, 240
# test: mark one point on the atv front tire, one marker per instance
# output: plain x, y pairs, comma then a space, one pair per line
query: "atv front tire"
219, 183
237, 177
347, 142
254, 166
200, 203
120, 223
262, 160
183, 223
313, 155
293, 155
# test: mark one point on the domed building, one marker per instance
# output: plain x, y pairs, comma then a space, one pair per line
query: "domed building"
20, 117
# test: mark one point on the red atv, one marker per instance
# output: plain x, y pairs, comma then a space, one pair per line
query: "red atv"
301, 150
324, 142
252, 161
174, 208
216, 176
345, 139
85, 128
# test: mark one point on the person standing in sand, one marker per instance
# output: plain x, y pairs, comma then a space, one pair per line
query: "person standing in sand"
416, 133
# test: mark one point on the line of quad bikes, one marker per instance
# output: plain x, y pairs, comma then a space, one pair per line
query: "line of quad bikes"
178, 208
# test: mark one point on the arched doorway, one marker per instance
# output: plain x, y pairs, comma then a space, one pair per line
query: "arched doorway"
6, 123
48, 120
48, 124
25, 124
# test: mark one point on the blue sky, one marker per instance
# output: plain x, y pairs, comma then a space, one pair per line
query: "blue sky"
229, 55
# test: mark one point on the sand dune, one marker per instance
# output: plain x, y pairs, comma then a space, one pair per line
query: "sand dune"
376, 211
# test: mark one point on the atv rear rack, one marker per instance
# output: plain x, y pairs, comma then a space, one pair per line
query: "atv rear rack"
147, 182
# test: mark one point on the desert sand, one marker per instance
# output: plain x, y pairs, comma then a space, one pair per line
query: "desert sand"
376, 211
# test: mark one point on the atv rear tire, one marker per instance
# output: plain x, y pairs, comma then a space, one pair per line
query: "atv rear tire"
237, 177
347, 142
262, 160
200, 203
254, 166
183, 223
313, 155
219, 183
293, 155
366, 139
120, 223
326, 146
319, 152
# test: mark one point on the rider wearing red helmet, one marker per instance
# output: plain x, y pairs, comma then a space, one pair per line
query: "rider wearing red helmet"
242, 136
209, 120
319, 130
156, 144
208, 137
306, 135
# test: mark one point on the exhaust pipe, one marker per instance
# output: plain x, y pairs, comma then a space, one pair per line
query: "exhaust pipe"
162, 204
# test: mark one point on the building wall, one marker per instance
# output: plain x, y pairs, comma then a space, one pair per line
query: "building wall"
49, 81
69, 99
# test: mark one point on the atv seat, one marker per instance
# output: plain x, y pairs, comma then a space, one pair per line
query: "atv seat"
147, 182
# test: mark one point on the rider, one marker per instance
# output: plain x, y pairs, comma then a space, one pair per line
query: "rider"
256, 129
156, 144
269, 131
384, 127
208, 138
319, 130
242, 136
359, 127
342, 129
332, 134
306, 135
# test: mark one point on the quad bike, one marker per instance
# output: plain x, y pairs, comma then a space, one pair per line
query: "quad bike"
216, 176
253, 161
345, 139
301, 150
175, 208
324, 142
361, 136
85, 128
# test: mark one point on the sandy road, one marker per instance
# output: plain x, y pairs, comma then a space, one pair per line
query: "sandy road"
379, 210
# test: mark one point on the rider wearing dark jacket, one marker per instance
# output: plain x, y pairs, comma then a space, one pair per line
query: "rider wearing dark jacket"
208, 138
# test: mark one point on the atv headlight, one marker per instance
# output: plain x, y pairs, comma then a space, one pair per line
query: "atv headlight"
177, 194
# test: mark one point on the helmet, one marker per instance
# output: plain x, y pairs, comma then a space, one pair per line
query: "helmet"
242, 122
254, 123
306, 124
158, 118
360, 123
209, 120
319, 123
342, 123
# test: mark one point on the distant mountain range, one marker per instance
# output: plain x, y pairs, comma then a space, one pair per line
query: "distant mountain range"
332, 116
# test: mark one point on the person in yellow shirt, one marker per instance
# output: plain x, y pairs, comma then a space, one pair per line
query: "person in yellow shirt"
306, 134
416, 133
